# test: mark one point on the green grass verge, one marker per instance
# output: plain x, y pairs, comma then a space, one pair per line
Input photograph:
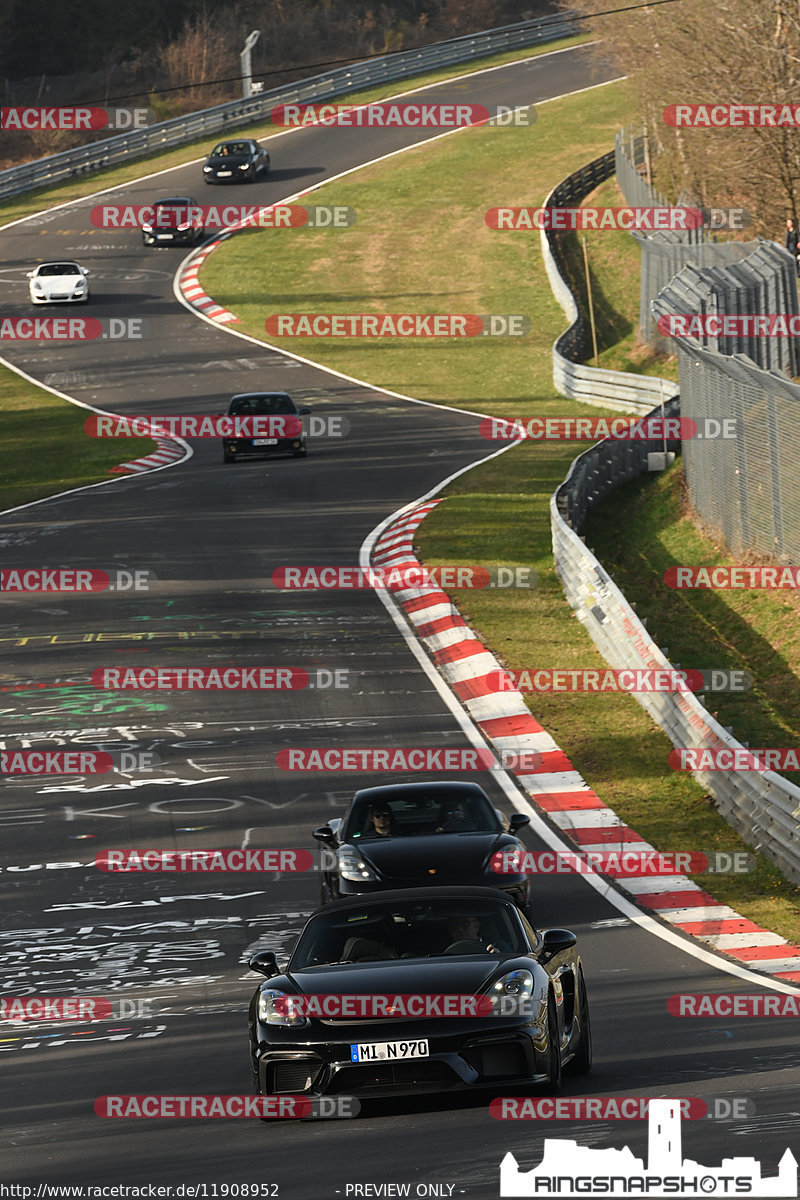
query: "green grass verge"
421, 245
45, 448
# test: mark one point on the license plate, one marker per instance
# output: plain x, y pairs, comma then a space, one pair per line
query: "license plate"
265, 441
388, 1051
166, 236
221, 173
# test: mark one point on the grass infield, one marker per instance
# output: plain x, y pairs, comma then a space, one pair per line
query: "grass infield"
420, 244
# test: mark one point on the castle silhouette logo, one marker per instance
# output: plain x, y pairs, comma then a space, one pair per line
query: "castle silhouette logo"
568, 1169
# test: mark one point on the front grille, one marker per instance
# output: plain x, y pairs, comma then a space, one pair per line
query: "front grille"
415, 1073
291, 1076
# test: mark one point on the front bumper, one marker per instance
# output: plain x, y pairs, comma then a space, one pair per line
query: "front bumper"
81, 299
171, 237
245, 448
496, 1055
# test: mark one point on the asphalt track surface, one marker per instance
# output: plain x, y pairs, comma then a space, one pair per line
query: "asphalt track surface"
213, 535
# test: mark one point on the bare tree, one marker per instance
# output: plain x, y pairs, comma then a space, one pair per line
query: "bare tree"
730, 52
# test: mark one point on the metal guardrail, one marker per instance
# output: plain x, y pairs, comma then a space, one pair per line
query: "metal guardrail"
235, 113
762, 806
571, 377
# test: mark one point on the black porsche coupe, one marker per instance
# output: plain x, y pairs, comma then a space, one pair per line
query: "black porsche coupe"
419, 990
418, 835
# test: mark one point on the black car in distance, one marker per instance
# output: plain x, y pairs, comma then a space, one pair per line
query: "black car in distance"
287, 437
420, 990
418, 835
239, 161
176, 221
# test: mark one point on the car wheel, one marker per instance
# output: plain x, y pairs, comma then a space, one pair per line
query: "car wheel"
553, 1084
228, 458
301, 452
581, 1064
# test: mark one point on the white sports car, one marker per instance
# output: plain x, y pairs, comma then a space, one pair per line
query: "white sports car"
58, 283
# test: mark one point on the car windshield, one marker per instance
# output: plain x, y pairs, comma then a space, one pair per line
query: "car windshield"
437, 928
226, 148
59, 269
260, 406
178, 202
419, 813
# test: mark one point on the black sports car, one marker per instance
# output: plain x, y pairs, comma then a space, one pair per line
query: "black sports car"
421, 990
418, 834
291, 439
176, 221
238, 161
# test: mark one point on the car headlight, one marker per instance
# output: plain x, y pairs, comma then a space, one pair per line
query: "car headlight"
353, 867
208, 169
244, 166
186, 225
147, 229
275, 1008
37, 287
511, 995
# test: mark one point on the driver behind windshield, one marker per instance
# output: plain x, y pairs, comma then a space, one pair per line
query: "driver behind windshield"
468, 929
381, 822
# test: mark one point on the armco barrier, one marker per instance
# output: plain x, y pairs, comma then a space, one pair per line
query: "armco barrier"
571, 377
235, 113
762, 806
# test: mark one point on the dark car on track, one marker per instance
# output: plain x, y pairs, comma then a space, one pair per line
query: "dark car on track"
418, 834
177, 221
289, 431
236, 161
420, 990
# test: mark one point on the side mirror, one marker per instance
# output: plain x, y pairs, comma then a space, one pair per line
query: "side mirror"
304, 412
556, 940
264, 962
84, 271
29, 274
517, 821
324, 834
